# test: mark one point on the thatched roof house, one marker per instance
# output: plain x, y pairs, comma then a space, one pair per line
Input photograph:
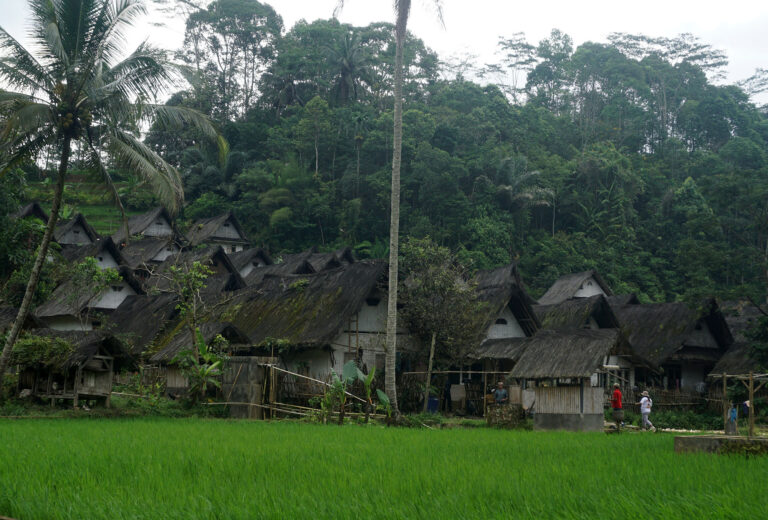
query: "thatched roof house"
66, 307
507, 349
575, 285
592, 312
623, 299
569, 354
224, 230
75, 231
145, 253
685, 342
247, 260
104, 250
288, 264
33, 209
509, 310
224, 277
306, 311
81, 367
156, 222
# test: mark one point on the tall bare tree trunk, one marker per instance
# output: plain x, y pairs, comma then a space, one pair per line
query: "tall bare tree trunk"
42, 253
403, 8
429, 372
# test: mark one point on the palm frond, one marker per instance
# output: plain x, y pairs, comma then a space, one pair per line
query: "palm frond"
144, 73
14, 152
147, 165
27, 118
20, 69
97, 165
183, 117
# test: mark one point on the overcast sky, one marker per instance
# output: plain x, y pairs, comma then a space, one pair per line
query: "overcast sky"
473, 27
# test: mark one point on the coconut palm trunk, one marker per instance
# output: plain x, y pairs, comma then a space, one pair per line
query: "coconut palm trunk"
42, 254
403, 8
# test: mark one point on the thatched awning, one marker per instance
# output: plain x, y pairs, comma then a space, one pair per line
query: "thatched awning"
576, 313
579, 353
76, 254
567, 286
33, 209
738, 359
8, 316
139, 223
288, 264
305, 311
139, 253
257, 255
501, 348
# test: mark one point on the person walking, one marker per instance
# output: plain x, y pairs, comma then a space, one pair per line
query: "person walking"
618, 411
645, 411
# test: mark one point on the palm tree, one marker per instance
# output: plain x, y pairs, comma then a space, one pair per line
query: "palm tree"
76, 96
402, 10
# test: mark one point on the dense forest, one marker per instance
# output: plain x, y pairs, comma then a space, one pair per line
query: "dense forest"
630, 156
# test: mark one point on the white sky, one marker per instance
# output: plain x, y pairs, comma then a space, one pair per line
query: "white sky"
473, 27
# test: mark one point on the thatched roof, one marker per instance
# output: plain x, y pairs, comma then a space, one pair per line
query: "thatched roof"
657, 331
33, 209
576, 314
242, 258
576, 353
290, 264
225, 276
737, 360
306, 311
8, 316
66, 300
501, 287
203, 231
183, 340
567, 286
345, 255
65, 226
140, 318
87, 344
76, 254
500, 348
138, 253
622, 299
139, 223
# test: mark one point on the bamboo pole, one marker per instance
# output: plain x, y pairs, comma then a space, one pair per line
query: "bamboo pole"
313, 379
725, 404
751, 406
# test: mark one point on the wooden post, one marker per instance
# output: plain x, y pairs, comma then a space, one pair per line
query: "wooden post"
429, 372
751, 405
725, 404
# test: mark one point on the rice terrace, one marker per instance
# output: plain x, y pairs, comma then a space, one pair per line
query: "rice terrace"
383, 259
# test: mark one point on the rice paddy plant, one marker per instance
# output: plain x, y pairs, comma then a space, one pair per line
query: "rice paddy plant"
193, 468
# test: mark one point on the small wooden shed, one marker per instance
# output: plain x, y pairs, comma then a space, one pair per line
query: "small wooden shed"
560, 364
68, 364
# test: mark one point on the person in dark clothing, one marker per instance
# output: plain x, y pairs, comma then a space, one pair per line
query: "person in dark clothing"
500, 394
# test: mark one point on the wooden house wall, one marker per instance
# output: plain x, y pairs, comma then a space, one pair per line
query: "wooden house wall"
567, 400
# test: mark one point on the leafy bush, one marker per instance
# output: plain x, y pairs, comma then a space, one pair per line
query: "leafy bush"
33, 350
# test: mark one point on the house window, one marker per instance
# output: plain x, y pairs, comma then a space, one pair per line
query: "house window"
372, 302
159, 223
169, 248
226, 224
117, 288
76, 231
101, 259
234, 249
501, 321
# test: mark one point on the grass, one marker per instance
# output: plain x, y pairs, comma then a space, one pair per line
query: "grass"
193, 468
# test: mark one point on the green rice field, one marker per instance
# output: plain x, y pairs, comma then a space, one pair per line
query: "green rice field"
194, 468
